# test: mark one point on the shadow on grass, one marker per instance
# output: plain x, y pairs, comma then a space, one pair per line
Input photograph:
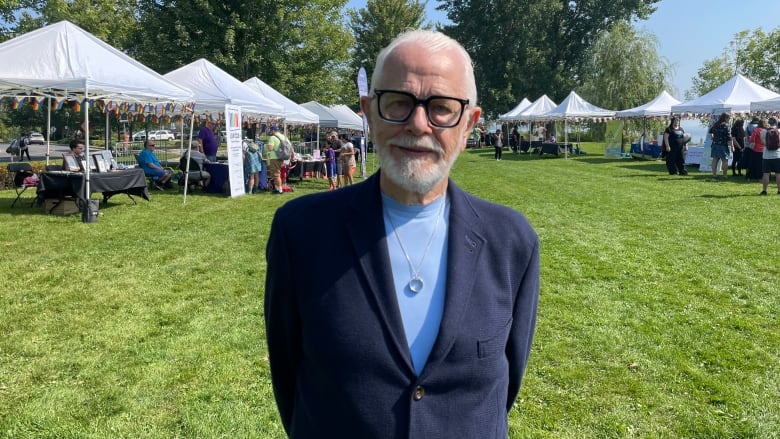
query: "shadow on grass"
725, 196
489, 154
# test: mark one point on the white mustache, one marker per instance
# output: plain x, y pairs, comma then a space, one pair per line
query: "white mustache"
419, 143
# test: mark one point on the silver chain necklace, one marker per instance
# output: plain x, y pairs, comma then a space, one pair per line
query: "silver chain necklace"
416, 283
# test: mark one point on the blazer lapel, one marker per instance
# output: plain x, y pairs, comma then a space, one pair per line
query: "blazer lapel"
464, 248
367, 233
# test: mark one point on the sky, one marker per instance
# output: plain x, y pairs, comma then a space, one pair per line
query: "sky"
688, 31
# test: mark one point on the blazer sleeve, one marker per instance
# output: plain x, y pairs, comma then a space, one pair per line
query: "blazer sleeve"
523, 322
282, 326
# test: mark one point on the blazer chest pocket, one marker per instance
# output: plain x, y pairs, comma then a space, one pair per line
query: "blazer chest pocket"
494, 345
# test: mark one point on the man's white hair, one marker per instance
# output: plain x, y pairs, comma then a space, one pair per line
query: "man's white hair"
435, 41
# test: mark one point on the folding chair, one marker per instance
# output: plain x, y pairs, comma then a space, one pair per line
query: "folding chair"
20, 171
151, 180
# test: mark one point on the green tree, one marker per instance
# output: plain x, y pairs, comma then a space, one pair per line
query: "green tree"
526, 48
298, 47
374, 26
759, 58
755, 55
10, 13
712, 74
623, 69
112, 21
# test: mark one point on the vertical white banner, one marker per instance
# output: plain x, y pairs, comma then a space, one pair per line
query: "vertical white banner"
234, 150
362, 82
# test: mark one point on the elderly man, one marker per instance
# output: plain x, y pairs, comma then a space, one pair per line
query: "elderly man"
422, 327
161, 177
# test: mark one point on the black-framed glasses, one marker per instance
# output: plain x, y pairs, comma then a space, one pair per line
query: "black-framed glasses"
398, 106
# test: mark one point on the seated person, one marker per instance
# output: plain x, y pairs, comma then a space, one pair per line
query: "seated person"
197, 174
77, 150
160, 176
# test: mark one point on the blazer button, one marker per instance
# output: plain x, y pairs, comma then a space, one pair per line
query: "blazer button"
419, 392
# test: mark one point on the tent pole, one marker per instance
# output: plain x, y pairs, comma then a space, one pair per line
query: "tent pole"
189, 154
48, 129
86, 143
108, 134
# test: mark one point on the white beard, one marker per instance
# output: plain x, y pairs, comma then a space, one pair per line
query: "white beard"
415, 175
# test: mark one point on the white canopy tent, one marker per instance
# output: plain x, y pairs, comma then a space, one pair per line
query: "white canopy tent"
575, 108
766, 105
734, 95
512, 114
349, 116
661, 105
292, 112
63, 61
533, 111
331, 118
541, 106
213, 88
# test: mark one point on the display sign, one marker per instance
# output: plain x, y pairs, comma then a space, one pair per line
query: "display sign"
235, 152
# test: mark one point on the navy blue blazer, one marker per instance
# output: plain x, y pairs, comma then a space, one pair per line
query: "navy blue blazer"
340, 364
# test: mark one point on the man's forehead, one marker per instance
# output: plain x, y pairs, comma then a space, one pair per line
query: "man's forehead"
412, 65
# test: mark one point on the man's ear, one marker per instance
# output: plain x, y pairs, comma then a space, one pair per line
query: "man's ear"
365, 106
473, 119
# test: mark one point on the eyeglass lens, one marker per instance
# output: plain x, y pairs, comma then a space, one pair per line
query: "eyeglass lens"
442, 111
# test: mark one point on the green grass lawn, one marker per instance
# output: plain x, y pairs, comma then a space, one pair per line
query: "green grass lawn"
658, 315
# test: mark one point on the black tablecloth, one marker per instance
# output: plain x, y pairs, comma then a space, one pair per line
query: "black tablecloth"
555, 148
71, 184
307, 169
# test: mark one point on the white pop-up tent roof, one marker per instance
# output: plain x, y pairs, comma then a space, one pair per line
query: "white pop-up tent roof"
734, 95
766, 105
213, 88
349, 115
62, 59
574, 107
661, 105
332, 118
293, 113
513, 113
536, 109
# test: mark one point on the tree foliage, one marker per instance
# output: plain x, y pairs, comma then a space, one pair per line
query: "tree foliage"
710, 76
756, 55
526, 48
760, 59
298, 47
623, 69
374, 26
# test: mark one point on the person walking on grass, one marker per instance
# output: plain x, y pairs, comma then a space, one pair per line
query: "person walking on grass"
771, 155
498, 144
674, 146
738, 137
721, 145
422, 326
